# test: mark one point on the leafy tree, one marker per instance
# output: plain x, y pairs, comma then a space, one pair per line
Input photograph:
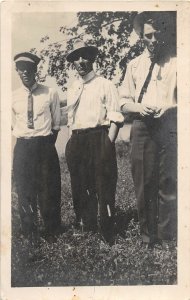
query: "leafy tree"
110, 31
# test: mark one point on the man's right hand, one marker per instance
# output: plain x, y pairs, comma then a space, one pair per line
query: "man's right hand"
146, 110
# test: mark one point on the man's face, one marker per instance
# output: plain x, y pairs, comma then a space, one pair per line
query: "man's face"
26, 71
151, 38
83, 63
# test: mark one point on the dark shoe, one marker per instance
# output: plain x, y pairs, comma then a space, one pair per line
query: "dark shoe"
156, 244
50, 238
169, 244
91, 227
109, 239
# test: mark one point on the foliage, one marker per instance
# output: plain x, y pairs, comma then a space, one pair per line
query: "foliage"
82, 258
109, 31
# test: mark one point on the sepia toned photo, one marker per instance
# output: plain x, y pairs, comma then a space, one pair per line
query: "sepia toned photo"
95, 150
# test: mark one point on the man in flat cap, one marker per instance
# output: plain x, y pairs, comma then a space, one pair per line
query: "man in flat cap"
36, 122
94, 117
149, 93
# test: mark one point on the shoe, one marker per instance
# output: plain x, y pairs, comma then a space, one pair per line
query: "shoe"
109, 239
91, 227
51, 238
169, 244
156, 244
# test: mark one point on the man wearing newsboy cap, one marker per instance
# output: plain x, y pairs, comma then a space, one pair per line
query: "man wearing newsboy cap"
36, 122
94, 117
148, 93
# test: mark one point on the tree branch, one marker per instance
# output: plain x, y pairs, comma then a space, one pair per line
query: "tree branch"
120, 19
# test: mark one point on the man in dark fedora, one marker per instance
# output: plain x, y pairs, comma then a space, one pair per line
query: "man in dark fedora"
94, 117
36, 122
149, 93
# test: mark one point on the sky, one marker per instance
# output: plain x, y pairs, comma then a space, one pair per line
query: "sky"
29, 28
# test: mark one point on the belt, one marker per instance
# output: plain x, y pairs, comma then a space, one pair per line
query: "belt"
34, 138
88, 130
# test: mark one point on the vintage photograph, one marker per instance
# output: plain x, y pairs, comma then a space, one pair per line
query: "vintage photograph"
94, 148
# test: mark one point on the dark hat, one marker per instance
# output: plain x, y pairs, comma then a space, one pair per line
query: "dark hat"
163, 20
27, 57
79, 46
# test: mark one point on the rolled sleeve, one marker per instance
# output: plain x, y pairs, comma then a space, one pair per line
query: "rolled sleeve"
112, 105
55, 110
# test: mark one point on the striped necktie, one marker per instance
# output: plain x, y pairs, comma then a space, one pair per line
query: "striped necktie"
146, 83
30, 122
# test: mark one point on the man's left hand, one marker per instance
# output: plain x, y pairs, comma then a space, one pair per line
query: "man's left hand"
160, 111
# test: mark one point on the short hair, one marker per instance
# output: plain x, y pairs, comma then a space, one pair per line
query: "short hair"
162, 21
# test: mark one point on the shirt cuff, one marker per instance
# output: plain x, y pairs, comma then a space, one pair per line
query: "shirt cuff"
124, 101
56, 127
115, 117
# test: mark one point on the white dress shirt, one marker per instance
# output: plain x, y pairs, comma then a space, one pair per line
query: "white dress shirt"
97, 103
161, 88
46, 111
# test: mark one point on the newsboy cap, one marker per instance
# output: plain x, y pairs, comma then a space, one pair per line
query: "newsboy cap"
163, 20
79, 46
27, 57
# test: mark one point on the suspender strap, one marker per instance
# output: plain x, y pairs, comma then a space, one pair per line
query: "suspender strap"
146, 83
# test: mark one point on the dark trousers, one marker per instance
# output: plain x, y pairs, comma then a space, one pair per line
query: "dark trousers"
92, 164
154, 170
37, 176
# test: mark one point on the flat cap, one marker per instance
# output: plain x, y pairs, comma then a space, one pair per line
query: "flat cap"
27, 57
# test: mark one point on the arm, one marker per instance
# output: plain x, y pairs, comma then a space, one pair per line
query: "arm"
13, 119
54, 136
127, 96
113, 132
143, 109
56, 115
114, 115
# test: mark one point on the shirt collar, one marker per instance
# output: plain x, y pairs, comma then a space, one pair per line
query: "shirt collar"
147, 53
88, 77
35, 85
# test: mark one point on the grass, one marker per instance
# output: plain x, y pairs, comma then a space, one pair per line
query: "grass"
83, 259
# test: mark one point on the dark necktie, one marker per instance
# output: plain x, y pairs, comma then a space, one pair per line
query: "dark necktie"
30, 111
73, 107
146, 83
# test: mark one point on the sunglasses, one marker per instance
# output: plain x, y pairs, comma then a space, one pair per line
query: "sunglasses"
83, 55
156, 34
29, 67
